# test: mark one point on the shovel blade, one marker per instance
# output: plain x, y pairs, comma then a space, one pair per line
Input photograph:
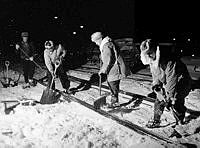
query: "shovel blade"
99, 102
49, 96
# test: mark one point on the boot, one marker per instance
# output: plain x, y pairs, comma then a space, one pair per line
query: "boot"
26, 85
114, 102
153, 124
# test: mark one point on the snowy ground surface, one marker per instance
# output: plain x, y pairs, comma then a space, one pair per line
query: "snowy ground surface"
73, 125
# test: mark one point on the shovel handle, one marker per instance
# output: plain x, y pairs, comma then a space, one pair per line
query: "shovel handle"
54, 73
100, 84
7, 63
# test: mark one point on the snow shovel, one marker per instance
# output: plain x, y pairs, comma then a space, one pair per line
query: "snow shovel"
49, 95
101, 100
6, 83
7, 80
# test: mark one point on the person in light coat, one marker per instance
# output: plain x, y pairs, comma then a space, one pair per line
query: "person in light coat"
171, 81
52, 55
113, 66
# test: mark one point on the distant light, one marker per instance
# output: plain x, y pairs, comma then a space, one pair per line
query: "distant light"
74, 32
188, 40
81, 26
174, 39
55, 17
192, 55
181, 50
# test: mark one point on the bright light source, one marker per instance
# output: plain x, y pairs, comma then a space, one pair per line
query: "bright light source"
174, 39
55, 17
74, 32
181, 50
188, 40
192, 55
81, 26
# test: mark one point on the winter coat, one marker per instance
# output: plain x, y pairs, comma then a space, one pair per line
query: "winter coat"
51, 57
112, 63
27, 50
172, 73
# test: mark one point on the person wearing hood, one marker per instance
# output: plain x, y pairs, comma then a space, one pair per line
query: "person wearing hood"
52, 55
112, 66
171, 81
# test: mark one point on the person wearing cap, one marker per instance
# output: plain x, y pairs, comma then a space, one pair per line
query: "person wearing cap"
27, 52
52, 55
171, 81
112, 64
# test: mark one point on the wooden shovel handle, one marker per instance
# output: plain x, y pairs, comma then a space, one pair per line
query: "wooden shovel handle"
100, 85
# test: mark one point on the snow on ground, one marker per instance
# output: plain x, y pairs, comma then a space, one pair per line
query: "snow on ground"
72, 125
61, 125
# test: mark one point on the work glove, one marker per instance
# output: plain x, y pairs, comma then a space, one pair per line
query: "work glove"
168, 104
173, 100
17, 46
31, 58
160, 92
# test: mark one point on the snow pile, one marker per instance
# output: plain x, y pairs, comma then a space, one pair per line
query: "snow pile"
65, 125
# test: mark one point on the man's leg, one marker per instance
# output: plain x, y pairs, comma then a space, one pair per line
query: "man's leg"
158, 111
31, 72
114, 87
63, 78
25, 70
179, 110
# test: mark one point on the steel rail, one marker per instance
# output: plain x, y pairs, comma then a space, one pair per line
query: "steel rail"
128, 124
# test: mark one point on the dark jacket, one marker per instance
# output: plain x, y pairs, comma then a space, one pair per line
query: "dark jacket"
26, 50
174, 76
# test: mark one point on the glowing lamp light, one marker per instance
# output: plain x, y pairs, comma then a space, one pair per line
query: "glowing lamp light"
55, 17
81, 26
188, 40
181, 50
192, 55
74, 32
174, 39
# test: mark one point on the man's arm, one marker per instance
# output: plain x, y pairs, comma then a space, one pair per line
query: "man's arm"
47, 61
171, 80
61, 52
106, 59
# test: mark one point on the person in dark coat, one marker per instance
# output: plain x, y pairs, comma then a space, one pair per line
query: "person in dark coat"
171, 81
27, 52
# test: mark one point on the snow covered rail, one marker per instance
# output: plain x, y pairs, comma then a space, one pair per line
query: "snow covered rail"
137, 76
128, 124
128, 95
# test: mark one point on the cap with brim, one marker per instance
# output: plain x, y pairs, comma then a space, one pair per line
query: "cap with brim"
24, 34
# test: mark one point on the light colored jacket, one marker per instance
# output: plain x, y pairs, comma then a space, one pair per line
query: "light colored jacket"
111, 60
51, 57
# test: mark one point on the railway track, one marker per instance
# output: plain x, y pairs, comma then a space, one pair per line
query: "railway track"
123, 122
136, 77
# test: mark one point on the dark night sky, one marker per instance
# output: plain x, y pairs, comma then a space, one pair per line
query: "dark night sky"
137, 18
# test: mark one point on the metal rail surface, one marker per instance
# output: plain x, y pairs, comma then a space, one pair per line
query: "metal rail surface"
128, 124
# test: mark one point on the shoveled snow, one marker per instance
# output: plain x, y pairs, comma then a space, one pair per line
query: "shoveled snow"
72, 125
